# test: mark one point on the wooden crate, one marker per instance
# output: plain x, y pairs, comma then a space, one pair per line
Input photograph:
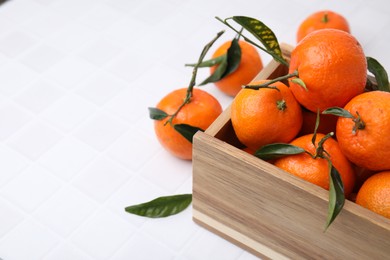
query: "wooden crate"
269, 212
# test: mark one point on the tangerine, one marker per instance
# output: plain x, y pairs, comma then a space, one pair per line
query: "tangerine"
322, 20
316, 170
265, 115
250, 65
200, 112
364, 139
333, 67
375, 194
327, 123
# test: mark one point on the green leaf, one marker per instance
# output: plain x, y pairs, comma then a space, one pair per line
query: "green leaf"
338, 111
218, 73
227, 63
336, 195
380, 74
263, 33
162, 206
300, 83
277, 150
156, 114
233, 57
208, 63
187, 131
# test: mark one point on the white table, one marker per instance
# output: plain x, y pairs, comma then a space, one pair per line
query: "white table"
76, 143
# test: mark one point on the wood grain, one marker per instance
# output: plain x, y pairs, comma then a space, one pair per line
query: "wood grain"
270, 212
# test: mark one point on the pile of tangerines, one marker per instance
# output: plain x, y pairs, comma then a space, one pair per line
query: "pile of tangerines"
324, 109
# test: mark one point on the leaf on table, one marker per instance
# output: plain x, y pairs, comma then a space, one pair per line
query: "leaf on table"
162, 206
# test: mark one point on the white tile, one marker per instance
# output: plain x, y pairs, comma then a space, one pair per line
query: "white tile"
15, 43
100, 131
34, 139
101, 179
135, 191
207, 245
14, 77
124, 5
39, 96
128, 104
129, 66
123, 32
68, 112
156, 10
72, 36
21, 11
67, 7
70, 71
29, 240
11, 163
10, 217
68, 157
102, 235
12, 119
66, 251
65, 211
101, 88
30, 188
101, 17
142, 247
177, 237
47, 23
42, 57
133, 149
155, 171
100, 51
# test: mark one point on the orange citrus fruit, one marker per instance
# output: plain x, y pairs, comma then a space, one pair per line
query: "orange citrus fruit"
327, 123
265, 115
316, 170
200, 112
322, 20
333, 66
250, 65
364, 139
375, 194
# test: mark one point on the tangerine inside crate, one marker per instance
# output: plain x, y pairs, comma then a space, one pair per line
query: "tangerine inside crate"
269, 212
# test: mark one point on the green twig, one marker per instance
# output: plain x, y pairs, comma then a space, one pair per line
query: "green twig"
266, 84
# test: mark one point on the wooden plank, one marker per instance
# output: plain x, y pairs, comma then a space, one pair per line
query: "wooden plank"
278, 211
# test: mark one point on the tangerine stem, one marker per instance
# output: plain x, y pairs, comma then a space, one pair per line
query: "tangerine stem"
266, 84
192, 83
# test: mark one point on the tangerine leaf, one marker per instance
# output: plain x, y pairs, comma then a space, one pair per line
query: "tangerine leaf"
277, 150
336, 195
380, 74
156, 114
187, 131
338, 111
264, 34
162, 206
233, 57
300, 83
218, 73
208, 63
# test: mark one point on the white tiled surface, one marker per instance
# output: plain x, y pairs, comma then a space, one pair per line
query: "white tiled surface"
76, 143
